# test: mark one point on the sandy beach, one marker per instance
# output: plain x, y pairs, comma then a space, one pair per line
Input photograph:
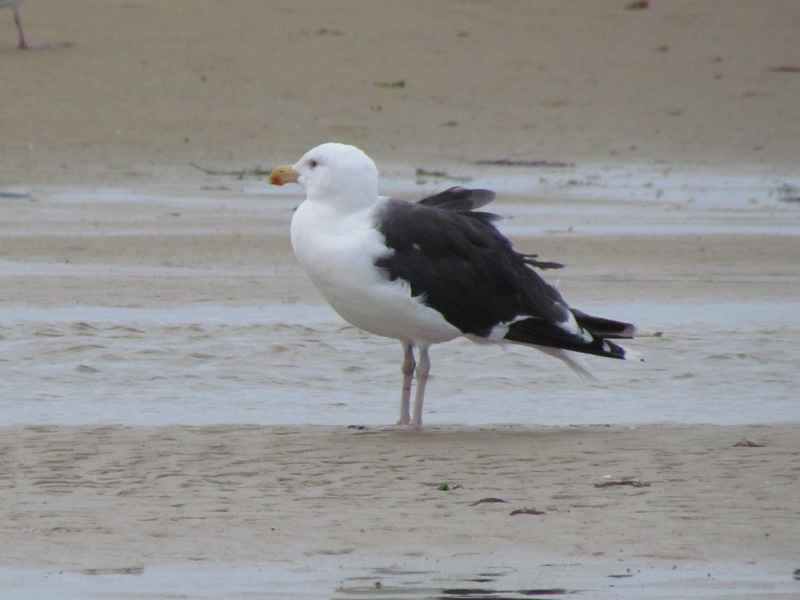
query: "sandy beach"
120, 497
176, 396
148, 88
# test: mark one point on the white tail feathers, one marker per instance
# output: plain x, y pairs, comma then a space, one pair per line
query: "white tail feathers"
573, 361
576, 363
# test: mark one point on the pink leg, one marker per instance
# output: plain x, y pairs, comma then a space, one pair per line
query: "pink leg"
23, 44
408, 376
422, 371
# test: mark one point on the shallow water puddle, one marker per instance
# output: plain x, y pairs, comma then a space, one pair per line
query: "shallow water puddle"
232, 582
543, 582
585, 581
80, 365
393, 583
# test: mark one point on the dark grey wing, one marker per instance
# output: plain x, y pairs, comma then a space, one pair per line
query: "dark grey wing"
466, 200
463, 267
459, 199
459, 264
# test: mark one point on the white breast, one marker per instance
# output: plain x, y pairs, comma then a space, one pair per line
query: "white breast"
338, 252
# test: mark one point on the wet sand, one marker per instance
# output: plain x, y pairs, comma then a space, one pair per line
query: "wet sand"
110, 497
123, 268
150, 87
191, 309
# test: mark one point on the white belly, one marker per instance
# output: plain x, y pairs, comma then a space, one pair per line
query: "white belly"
339, 257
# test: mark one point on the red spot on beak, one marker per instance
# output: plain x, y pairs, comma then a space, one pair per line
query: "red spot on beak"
282, 175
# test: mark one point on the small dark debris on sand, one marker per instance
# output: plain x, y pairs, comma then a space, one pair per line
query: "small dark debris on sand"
527, 511
745, 443
785, 69
628, 482
240, 174
507, 162
488, 501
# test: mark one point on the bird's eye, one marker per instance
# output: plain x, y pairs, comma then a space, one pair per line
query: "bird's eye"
312, 163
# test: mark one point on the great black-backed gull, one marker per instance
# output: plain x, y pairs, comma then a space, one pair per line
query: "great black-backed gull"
428, 272
23, 44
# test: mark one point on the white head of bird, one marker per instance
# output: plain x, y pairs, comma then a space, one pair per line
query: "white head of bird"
333, 173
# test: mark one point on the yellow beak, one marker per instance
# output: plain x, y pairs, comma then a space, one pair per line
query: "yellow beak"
282, 175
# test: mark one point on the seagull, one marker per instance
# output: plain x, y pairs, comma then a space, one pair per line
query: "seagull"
23, 43
428, 272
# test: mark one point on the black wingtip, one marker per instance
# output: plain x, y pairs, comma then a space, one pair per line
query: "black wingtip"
605, 328
540, 332
533, 261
